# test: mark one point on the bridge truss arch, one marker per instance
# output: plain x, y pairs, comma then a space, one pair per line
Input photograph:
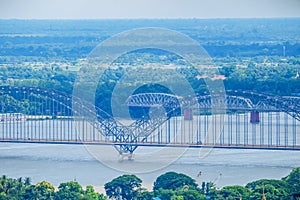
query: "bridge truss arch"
231, 102
154, 100
269, 102
50, 118
51, 107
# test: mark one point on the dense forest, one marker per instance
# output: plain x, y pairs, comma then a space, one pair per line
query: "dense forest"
276, 80
72, 39
168, 186
261, 55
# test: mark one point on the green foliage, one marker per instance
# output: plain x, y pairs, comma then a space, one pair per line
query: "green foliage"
172, 185
234, 193
277, 76
165, 194
279, 80
144, 194
190, 194
10, 104
177, 197
90, 193
45, 190
69, 190
126, 187
183, 193
273, 189
208, 187
173, 181
44, 77
293, 179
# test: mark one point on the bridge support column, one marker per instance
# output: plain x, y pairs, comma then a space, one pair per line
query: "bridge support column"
254, 117
129, 156
188, 114
125, 151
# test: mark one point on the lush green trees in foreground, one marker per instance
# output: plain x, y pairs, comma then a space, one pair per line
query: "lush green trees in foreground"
168, 186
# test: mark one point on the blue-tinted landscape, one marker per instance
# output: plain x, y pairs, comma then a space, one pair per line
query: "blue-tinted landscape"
242, 119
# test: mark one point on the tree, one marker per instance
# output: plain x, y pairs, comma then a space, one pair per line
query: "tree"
30, 193
165, 194
45, 190
190, 194
144, 194
270, 192
12, 188
273, 189
69, 191
91, 194
173, 181
177, 197
208, 187
294, 179
234, 192
27, 181
125, 187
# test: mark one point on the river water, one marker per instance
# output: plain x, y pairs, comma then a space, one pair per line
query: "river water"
61, 163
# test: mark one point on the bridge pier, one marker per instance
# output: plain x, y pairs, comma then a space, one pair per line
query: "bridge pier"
188, 114
125, 150
254, 117
129, 156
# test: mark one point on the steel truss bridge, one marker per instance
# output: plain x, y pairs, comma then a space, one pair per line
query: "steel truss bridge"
244, 120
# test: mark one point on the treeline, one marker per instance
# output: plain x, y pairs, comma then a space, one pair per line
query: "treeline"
168, 186
281, 79
74, 39
276, 80
52, 77
19, 189
72, 50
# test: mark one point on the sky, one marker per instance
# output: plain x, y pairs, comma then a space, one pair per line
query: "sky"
128, 9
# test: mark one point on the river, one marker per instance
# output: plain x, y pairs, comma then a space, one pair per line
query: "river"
61, 163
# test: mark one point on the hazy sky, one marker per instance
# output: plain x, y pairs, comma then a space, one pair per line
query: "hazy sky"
95, 9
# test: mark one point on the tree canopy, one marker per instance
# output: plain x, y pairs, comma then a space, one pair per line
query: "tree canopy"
168, 186
173, 181
126, 187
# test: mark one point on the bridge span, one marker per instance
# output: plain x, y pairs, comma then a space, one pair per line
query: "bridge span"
241, 119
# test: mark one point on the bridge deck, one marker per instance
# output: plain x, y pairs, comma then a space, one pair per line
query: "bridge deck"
153, 144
